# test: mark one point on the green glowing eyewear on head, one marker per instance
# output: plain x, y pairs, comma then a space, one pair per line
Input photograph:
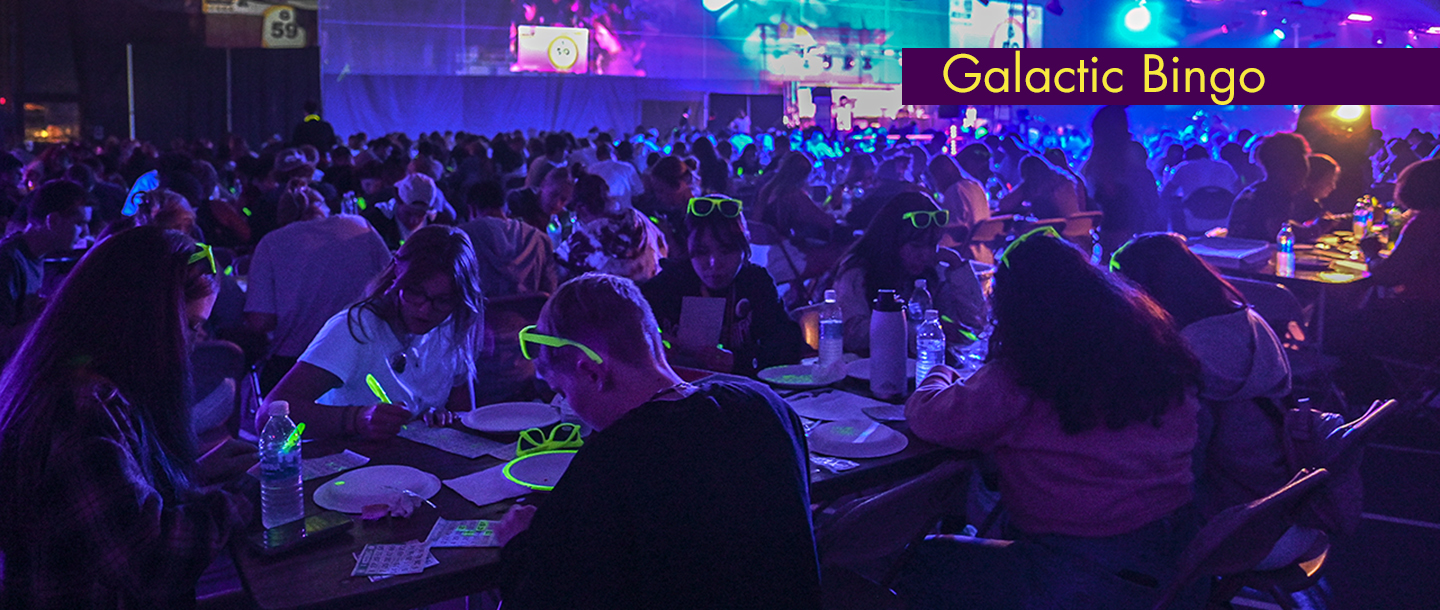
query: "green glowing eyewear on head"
921, 219
205, 253
528, 336
1005, 258
704, 206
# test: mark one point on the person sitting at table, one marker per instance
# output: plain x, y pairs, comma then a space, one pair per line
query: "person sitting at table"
756, 331
685, 496
901, 246
785, 201
1259, 211
1091, 425
609, 238
964, 197
1049, 193
105, 501
1311, 218
1238, 456
417, 331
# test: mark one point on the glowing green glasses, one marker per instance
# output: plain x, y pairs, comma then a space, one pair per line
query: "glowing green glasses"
562, 436
205, 253
528, 336
704, 206
921, 219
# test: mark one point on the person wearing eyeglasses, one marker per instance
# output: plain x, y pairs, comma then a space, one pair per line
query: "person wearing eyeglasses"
901, 245
690, 496
609, 238
756, 331
417, 331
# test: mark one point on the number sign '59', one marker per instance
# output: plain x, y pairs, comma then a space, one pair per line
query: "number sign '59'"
282, 31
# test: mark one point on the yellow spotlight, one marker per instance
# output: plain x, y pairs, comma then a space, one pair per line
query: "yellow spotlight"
1349, 113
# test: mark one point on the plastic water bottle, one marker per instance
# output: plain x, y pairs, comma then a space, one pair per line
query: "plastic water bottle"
887, 345
1285, 251
915, 310
832, 334
929, 345
1364, 218
282, 498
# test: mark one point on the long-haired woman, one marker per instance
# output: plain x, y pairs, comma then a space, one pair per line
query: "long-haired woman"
417, 331
1244, 369
902, 245
785, 201
103, 498
1087, 405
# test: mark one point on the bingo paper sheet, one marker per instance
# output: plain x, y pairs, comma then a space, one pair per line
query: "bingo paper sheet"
472, 533
391, 559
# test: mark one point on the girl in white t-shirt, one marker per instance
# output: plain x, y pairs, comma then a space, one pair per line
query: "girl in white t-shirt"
416, 331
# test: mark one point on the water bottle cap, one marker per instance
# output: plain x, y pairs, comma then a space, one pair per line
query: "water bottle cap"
932, 315
920, 283
830, 296
279, 408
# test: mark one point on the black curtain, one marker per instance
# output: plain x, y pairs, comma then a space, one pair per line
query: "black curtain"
270, 88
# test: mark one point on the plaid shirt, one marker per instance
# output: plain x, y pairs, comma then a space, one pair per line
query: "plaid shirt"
100, 535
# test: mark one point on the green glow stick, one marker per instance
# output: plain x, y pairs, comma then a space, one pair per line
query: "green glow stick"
294, 438
374, 384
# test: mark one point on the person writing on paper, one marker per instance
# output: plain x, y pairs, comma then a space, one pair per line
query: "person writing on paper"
1087, 405
105, 500
755, 331
417, 331
626, 526
902, 245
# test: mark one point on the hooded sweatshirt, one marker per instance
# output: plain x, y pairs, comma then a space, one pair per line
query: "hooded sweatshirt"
1239, 457
514, 257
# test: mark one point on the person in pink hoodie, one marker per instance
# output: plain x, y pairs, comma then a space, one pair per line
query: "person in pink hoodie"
1087, 406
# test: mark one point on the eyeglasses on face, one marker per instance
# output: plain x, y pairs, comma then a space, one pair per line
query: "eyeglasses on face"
528, 336
416, 297
704, 206
921, 219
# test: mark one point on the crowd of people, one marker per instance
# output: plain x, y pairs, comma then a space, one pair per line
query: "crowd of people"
1118, 398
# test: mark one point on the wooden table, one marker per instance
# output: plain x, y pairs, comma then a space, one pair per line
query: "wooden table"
318, 577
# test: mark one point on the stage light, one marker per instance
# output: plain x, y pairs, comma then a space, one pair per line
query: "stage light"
1232, 27
1138, 18
1054, 7
1361, 17
1434, 29
1377, 38
715, 5
828, 61
1349, 113
1278, 33
849, 62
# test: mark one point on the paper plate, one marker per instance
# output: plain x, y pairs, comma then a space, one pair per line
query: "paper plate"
831, 405
539, 471
796, 376
860, 369
856, 438
885, 413
510, 417
353, 491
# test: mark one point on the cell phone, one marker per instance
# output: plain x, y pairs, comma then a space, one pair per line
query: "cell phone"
301, 532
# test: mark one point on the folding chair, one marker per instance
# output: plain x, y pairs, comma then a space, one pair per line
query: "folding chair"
1079, 228
988, 237
218, 372
1237, 539
1203, 210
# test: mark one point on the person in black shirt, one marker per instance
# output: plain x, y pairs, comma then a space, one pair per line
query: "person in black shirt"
314, 130
685, 496
756, 331
1260, 210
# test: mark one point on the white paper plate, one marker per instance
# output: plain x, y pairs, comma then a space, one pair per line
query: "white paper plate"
796, 376
351, 492
831, 405
510, 417
886, 413
860, 369
539, 471
856, 438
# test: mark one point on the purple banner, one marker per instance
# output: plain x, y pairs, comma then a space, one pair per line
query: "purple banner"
1169, 76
